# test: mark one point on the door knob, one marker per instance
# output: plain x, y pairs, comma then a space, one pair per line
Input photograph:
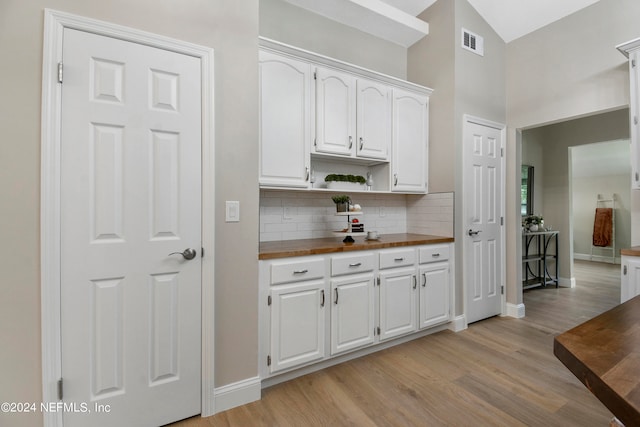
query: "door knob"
187, 253
473, 233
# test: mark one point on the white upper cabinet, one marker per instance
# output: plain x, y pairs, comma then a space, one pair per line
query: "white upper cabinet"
631, 49
410, 141
373, 120
285, 120
353, 116
335, 112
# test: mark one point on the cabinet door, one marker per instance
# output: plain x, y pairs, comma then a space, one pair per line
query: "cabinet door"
434, 294
634, 105
285, 121
630, 285
410, 141
373, 120
297, 324
352, 313
398, 289
335, 112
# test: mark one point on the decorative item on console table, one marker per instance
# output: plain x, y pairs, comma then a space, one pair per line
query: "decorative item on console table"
532, 222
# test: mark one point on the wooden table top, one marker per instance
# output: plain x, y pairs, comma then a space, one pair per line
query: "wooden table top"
632, 251
604, 353
290, 248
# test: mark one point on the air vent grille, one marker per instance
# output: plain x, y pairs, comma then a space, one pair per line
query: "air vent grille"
472, 42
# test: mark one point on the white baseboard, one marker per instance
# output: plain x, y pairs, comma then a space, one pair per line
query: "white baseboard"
515, 310
459, 323
237, 394
596, 258
567, 282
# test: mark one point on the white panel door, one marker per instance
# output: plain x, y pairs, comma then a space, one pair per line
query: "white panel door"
130, 196
297, 324
410, 141
483, 201
398, 289
352, 313
434, 294
335, 112
285, 121
373, 120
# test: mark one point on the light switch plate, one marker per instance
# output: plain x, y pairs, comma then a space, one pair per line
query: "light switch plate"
233, 211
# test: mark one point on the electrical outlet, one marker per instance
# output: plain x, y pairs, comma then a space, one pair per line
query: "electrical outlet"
287, 213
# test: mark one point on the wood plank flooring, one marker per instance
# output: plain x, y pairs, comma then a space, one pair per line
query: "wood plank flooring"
498, 372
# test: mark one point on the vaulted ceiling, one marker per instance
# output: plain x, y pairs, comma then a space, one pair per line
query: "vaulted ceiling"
396, 20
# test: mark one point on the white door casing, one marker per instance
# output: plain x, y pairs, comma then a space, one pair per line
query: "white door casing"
109, 173
483, 192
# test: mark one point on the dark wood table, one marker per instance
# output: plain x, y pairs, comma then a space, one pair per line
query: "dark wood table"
604, 353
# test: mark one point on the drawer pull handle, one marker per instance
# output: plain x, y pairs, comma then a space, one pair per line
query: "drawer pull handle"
355, 264
322, 303
415, 282
435, 255
336, 301
300, 271
399, 259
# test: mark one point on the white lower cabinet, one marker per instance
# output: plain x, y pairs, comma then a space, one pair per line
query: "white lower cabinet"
373, 296
397, 302
434, 294
352, 312
297, 324
630, 278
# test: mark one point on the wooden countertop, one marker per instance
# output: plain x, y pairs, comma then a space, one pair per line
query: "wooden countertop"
290, 248
604, 353
633, 251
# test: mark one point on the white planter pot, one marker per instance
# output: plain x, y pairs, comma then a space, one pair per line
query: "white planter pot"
342, 185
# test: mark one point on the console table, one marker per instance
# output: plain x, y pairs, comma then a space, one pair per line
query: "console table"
539, 252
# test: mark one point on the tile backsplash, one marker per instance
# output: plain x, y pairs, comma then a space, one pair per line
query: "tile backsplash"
292, 215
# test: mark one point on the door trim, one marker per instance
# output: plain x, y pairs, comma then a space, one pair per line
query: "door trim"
467, 119
54, 24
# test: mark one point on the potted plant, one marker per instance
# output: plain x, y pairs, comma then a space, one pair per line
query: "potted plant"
532, 222
342, 202
340, 181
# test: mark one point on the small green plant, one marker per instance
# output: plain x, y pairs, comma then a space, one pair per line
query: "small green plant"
531, 220
345, 178
340, 198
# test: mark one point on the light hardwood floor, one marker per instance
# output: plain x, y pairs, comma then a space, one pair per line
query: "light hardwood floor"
498, 372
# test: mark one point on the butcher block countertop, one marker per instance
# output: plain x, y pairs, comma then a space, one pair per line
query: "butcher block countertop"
604, 353
633, 251
291, 248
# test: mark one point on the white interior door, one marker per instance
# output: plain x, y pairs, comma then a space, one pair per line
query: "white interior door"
483, 210
130, 196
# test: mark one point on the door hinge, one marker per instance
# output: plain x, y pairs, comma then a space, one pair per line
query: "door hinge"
624, 270
378, 281
60, 395
202, 256
633, 63
315, 75
269, 300
501, 220
315, 142
269, 360
378, 330
501, 290
59, 72
501, 152
637, 177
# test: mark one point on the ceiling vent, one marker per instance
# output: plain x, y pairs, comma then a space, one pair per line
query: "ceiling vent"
472, 42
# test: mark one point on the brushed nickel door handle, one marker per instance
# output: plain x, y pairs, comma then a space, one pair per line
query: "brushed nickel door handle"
188, 253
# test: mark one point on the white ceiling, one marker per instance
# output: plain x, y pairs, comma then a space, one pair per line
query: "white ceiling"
395, 20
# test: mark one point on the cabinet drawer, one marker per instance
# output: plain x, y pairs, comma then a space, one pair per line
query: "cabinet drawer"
434, 253
351, 264
397, 258
296, 271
